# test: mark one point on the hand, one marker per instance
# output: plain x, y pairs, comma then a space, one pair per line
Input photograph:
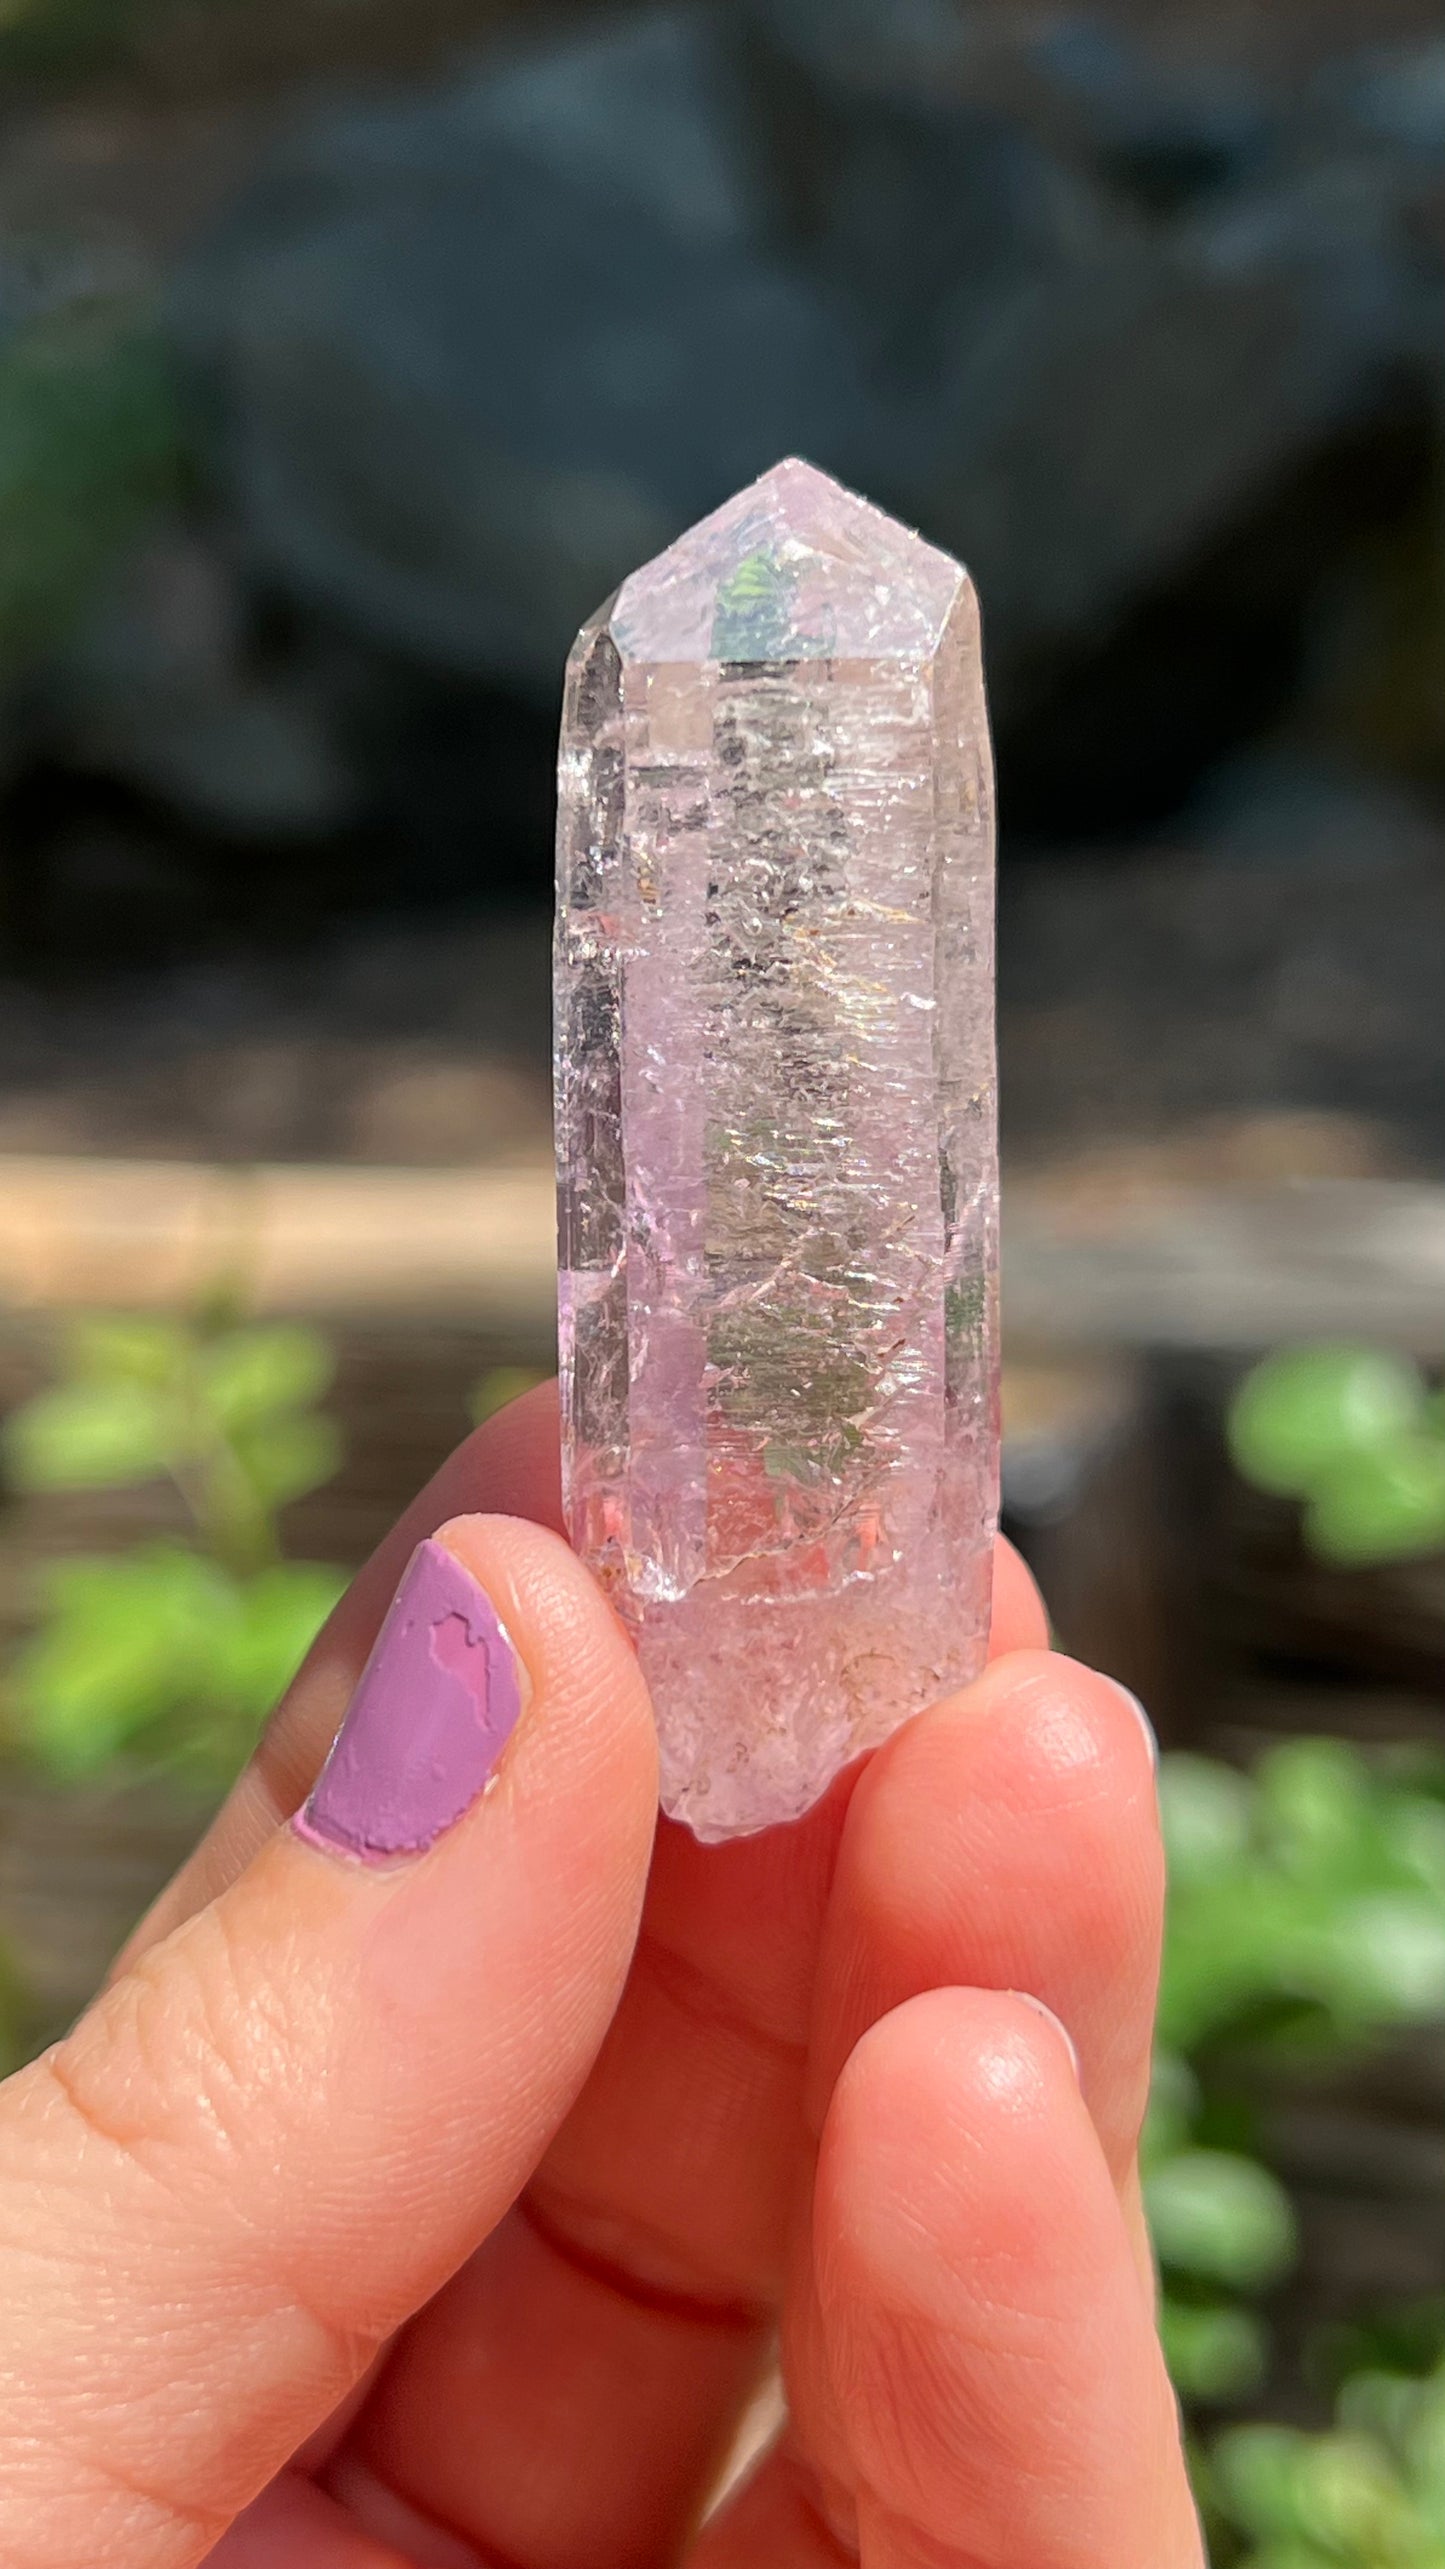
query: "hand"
414, 2207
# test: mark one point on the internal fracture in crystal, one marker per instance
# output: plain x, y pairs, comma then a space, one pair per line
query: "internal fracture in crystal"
776, 1137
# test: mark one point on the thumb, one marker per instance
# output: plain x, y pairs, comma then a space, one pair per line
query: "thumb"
286, 2126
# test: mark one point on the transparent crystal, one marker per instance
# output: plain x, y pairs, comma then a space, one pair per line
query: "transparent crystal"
776, 1137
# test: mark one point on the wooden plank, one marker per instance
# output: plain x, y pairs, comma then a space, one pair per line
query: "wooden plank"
458, 1243
1227, 1268
1223, 1267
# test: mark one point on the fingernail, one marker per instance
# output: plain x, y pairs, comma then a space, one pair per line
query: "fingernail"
1060, 2028
438, 1701
1142, 1718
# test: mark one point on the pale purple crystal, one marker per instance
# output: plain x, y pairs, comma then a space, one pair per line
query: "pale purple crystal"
776, 1137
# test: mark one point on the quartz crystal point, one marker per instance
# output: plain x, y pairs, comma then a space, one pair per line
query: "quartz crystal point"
776, 1137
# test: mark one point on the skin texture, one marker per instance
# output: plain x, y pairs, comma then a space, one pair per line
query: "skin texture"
447, 2212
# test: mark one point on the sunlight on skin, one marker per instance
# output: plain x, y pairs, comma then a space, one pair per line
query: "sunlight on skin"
781, 2081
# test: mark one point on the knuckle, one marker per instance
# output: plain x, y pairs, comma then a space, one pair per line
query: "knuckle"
182, 2063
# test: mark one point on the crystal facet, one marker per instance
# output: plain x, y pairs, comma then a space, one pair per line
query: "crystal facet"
776, 1137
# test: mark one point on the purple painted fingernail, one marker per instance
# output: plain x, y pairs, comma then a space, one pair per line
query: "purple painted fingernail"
438, 1700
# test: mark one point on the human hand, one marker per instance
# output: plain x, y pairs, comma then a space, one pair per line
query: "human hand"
427, 2212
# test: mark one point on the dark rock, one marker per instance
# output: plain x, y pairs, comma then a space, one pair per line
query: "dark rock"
1149, 355
1075, 83
158, 690
1391, 97
483, 354
1285, 808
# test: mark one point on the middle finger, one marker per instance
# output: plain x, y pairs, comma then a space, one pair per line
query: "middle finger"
1008, 1840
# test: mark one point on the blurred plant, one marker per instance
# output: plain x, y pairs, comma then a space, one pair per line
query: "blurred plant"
1369, 2495
91, 443
171, 1653
1354, 1433
1223, 2231
1306, 1915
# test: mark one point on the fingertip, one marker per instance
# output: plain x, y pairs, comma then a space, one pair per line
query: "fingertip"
1007, 1839
960, 2099
1038, 1735
571, 1645
1062, 1717
991, 2352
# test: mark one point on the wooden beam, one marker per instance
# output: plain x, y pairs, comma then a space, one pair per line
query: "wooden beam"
463, 1244
1232, 1268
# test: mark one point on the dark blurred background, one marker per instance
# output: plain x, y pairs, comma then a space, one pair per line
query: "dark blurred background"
348, 355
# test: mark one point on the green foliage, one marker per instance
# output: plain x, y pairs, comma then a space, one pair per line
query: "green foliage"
1352, 1433
1222, 2226
1308, 1408
1216, 2352
1388, 1505
1306, 1914
92, 441
1221, 2217
1306, 1901
1369, 2495
171, 1654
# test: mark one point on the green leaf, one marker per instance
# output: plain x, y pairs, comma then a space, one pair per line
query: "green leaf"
280, 1613
1315, 1807
1422, 2437
1207, 1811
254, 1375
127, 1347
1387, 1953
1382, 2406
283, 1458
1255, 2471
1216, 2353
125, 1642
89, 1435
1349, 2498
1382, 1505
1415, 1836
1223, 2218
1304, 1412
1369, 2495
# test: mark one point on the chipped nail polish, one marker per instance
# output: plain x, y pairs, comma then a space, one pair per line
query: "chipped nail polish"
436, 1704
